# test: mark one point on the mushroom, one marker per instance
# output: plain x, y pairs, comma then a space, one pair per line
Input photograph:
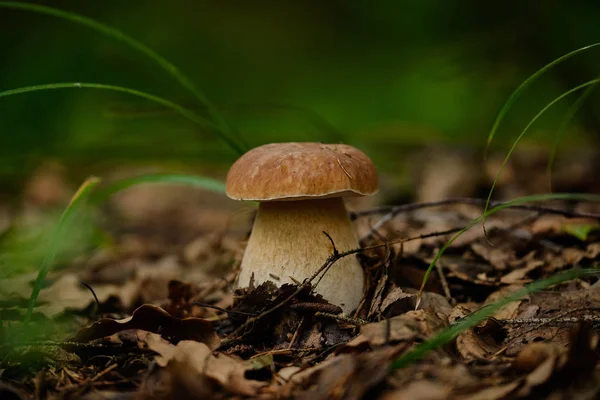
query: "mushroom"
300, 187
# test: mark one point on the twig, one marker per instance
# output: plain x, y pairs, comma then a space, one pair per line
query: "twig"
444, 282
335, 250
76, 390
394, 210
199, 304
375, 228
342, 318
296, 333
93, 294
323, 269
559, 319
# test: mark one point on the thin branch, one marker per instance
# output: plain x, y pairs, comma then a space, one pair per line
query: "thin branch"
335, 250
199, 304
323, 269
394, 210
88, 287
342, 318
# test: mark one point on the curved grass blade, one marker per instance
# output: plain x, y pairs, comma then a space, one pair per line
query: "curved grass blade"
516, 142
206, 124
77, 201
562, 128
514, 202
448, 334
515, 95
320, 123
205, 183
116, 34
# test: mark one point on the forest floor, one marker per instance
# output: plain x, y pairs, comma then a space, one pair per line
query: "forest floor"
152, 313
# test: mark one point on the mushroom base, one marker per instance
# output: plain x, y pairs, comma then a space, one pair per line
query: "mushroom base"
287, 241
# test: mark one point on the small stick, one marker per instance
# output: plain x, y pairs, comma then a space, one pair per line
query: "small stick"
375, 228
323, 269
444, 282
88, 287
199, 304
296, 333
342, 318
416, 206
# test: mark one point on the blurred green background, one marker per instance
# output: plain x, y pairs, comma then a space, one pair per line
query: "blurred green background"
386, 76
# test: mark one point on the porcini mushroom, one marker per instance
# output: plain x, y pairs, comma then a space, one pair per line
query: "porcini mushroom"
300, 187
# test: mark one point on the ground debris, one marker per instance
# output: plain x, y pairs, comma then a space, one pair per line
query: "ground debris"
153, 319
159, 316
190, 370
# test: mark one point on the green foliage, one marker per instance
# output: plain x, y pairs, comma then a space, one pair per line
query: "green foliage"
580, 231
60, 235
526, 83
222, 126
524, 131
205, 124
562, 129
191, 180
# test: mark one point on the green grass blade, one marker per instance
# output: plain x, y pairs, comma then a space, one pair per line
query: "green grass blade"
206, 124
562, 128
514, 202
516, 142
515, 95
448, 334
78, 200
197, 181
116, 34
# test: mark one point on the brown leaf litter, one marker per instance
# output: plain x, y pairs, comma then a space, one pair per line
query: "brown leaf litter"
167, 322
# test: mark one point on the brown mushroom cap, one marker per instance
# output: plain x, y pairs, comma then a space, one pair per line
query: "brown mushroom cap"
298, 171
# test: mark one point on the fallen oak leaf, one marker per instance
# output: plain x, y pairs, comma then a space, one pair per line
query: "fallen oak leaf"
154, 319
408, 327
345, 376
228, 372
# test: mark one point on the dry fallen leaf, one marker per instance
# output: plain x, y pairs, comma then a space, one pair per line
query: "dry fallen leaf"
154, 319
410, 326
346, 376
419, 390
226, 372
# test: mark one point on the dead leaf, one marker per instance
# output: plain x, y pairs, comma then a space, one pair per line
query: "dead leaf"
498, 256
510, 310
420, 390
346, 376
411, 326
473, 345
497, 392
227, 372
154, 319
394, 294
519, 276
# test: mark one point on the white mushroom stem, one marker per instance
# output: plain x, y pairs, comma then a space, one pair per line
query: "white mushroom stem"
287, 241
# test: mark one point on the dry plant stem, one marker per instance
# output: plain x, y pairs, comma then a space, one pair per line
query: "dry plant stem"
287, 241
444, 282
296, 333
200, 304
394, 210
558, 320
323, 269
553, 321
375, 228
342, 318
